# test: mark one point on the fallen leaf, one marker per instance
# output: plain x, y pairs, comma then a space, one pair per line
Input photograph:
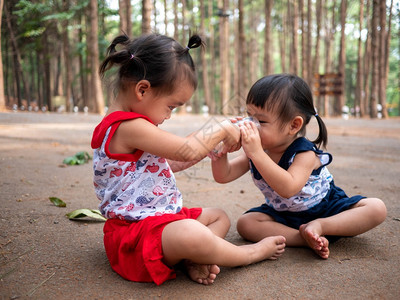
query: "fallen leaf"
79, 158
57, 202
85, 212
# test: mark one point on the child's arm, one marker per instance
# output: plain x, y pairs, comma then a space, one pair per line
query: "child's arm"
141, 134
225, 170
286, 183
177, 166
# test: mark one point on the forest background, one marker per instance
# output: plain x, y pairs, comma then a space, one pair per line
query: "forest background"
348, 51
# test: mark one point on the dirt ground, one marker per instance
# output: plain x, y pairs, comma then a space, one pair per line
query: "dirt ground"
43, 255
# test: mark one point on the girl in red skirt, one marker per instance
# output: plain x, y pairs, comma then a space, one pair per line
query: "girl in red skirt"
148, 230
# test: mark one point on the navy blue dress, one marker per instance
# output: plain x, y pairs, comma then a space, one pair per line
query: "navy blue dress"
304, 207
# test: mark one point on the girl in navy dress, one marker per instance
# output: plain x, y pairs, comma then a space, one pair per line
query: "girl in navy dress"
302, 202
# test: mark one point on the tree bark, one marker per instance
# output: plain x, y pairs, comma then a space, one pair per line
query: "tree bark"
93, 54
294, 17
242, 64
315, 64
342, 57
282, 40
268, 65
384, 55
330, 30
206, 85
375, 59
254, 53
17, 59
125, 13
146, 16
224, 53
2, 96
67, 61
360, 67
165, 17
304, 68
211, 47
309, 42
176, 33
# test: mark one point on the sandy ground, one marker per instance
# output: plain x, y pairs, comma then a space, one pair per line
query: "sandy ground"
43, 255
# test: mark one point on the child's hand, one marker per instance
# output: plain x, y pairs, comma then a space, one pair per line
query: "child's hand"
233, 148
250, 137
232, 138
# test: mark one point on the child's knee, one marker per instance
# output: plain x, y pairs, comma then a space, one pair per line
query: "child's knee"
244, 225
221, 216
380, 209
377, 209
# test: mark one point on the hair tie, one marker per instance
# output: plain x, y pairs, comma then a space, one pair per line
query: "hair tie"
188, 48
132, 56
316, 115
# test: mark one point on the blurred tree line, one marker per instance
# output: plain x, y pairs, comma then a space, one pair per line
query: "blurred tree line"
348, 51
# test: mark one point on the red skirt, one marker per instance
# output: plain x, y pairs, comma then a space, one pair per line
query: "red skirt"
134, 249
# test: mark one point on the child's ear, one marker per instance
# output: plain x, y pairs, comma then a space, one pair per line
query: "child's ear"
142, 87
296, 124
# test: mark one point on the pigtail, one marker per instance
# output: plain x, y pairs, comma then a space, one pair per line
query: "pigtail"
114, 56
195, 41
322, 138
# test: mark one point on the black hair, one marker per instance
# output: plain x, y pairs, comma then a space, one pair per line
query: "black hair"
157, 58
288, 95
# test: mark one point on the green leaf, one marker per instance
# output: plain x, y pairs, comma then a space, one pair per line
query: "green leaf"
85, 212
57, 202
79, 158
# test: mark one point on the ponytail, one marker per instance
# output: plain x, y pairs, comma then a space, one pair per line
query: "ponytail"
195, 41
322, 139
114, 56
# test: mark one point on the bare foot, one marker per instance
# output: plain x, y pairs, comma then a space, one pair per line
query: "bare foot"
204, 274
315, 241
269, 248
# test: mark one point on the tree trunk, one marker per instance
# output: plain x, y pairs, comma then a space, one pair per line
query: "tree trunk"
165, 17
386, 62
224, 61
146, 16
268, 65
206, 85
17, 56
384, 56
254, 53
367, 67
304, 68
242, 52
294, 17
47, 96
382, 44
360, 67
375, 59
315, 64
342, 57
330, 30
184, 37
309, 41
211, 46
176, 33
125, 13
282, 40
93, 54
2, 97
67, 61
